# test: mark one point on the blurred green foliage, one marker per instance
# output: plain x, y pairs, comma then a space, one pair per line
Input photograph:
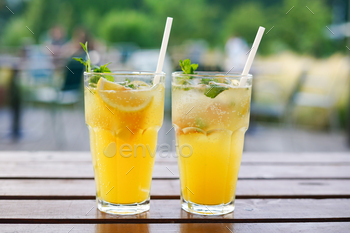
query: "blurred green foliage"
128, 25
13, 34
243, 21
289, 25
302, 30
142, 22
192, 19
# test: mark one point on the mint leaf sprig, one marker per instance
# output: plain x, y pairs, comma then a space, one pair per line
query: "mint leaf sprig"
187, 67
207, 81
102, 69
87, 62
128, 84
214, 88
96, 69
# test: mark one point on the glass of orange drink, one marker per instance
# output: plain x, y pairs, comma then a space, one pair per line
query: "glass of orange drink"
123, 112
210, 114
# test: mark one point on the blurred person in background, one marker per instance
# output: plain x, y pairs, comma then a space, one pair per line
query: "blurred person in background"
73, 48
73, 76
55, 41
236, 49
57, 38
196, 50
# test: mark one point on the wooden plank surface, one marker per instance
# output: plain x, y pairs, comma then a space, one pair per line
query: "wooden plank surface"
329, 227
276, 158
44, 156
84, 170
58, 187
170, 189
248, 157
169, 211
298, 158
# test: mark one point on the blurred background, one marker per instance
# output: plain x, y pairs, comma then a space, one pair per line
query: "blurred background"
301, 73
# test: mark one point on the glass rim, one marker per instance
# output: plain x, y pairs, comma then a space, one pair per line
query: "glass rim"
201, 74
126, 72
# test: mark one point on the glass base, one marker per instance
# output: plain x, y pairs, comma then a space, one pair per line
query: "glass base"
207, 209
123, 209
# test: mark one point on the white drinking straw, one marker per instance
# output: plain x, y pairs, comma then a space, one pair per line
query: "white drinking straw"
161, 58
251, 56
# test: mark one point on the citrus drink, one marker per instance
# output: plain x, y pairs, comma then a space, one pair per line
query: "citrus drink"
123, 119
210, 130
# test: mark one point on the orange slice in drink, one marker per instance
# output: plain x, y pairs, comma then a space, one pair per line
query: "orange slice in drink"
122, 98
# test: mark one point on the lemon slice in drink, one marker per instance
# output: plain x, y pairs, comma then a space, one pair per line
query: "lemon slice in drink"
122, 98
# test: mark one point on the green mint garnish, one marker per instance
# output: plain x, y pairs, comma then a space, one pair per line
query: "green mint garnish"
96, 69
94, 79
132, 86
86, 63
187, 67
200, 123
102, 69
214, 90
127, 83
184, 81
207, 80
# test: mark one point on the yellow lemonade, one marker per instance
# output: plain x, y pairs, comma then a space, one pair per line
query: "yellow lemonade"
123, 124
210, 136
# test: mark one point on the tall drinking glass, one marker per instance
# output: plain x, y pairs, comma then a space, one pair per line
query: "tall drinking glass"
210, 114
123, 112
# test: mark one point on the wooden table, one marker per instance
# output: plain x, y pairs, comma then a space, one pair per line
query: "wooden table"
277, 192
